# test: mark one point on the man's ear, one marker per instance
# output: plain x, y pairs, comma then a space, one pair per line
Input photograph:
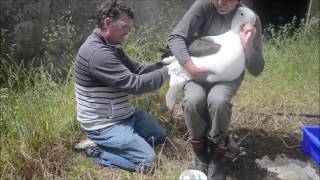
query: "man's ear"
106, 22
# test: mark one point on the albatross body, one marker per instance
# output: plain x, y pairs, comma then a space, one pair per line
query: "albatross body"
225, 65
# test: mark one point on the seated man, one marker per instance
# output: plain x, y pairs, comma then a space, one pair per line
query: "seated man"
122, 136
207, 107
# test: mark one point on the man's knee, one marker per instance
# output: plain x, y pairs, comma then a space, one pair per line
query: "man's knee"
193, 102
219, 102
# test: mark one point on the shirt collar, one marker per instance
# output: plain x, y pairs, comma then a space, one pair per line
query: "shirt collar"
98, 32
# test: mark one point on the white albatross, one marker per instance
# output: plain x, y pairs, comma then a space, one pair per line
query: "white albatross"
225, 65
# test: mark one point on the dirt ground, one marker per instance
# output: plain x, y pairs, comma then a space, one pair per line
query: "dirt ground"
260, 133
270, 135
258, 145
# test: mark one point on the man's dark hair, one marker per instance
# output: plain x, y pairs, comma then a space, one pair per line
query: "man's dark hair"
112, 9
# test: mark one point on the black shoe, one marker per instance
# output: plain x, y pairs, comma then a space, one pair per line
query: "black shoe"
215, 169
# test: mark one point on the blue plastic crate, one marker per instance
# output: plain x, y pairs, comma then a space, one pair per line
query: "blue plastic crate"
311, 142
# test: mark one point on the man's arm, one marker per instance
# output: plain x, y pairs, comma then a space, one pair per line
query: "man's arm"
108, 69
251, 38
179, 49
141, 68
183, 33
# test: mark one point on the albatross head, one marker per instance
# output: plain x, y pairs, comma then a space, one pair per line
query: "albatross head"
243, 15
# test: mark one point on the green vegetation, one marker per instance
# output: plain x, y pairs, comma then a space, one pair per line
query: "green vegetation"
37, 114
292, 72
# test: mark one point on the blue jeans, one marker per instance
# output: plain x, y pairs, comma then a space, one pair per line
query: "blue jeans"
128, 144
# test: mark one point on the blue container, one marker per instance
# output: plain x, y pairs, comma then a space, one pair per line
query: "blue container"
311, 142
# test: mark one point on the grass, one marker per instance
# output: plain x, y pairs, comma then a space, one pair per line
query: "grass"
291, 75
34, 122
37, 114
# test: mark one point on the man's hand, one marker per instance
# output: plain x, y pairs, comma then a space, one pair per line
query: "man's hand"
198, 73
247, 34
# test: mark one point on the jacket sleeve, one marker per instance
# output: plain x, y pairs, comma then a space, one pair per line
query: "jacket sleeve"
255, 64
185, 29
139, 68
111, 71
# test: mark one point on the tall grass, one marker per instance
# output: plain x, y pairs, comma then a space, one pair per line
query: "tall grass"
37, 109
291, 75
33, 122
38, 126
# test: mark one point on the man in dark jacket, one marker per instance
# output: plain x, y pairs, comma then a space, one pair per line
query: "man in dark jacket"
207, 106
122, 135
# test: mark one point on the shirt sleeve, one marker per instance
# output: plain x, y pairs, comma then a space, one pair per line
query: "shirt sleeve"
140, 68
112, 72
255, 64
186, 28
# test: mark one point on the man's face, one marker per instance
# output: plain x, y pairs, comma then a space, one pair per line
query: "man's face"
118, 29
224, 6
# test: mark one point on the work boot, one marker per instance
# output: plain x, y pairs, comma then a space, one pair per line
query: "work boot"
200, 150
215, 168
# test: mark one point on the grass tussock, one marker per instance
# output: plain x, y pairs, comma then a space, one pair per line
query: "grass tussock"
39, 130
